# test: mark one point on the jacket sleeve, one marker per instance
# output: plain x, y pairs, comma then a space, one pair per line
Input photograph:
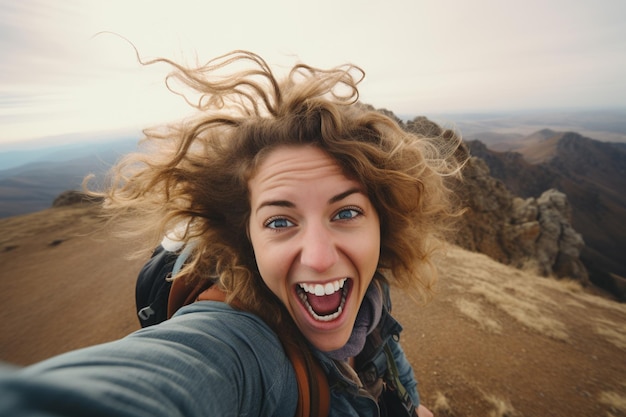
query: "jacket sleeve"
405, 371
219, 362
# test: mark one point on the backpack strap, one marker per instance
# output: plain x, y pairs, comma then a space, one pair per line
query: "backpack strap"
394, 380
313, 389
183, 293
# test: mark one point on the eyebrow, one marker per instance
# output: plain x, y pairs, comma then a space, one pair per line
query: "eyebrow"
343, 195
289, 204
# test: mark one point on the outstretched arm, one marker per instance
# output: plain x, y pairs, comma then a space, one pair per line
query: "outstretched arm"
196, 364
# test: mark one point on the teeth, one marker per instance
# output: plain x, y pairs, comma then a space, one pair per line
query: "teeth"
312, 312
327, 289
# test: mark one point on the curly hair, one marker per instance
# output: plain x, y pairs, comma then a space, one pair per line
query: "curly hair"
196, 172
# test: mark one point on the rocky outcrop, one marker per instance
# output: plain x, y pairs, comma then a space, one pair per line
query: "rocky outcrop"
71, 197
532, 233
546, 235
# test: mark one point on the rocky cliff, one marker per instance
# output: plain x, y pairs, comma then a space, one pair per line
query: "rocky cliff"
532, 233
592, 175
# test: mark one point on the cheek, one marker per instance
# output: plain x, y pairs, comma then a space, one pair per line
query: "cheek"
364, 253
272, 268
370, 249
372, 257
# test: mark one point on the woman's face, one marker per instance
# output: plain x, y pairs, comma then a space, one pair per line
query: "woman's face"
316, 239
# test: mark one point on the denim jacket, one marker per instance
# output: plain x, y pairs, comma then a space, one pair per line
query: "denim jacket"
208, 360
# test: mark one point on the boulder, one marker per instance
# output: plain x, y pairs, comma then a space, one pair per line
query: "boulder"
71, 197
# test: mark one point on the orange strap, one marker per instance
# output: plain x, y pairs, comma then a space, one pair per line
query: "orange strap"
182, 293
313, 390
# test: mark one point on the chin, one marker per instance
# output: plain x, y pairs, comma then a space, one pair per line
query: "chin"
329, 347
329, 341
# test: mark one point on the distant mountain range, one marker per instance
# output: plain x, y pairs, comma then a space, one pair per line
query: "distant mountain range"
31, 179
591, 173
593, 176
499, 130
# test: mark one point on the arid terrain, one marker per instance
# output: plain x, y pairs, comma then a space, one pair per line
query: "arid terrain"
493, 341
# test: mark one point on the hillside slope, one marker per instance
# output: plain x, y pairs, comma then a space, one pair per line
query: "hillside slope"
493, 340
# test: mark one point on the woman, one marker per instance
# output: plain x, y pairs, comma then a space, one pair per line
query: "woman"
302, 206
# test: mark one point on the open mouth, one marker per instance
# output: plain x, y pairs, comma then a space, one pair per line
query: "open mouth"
324, 302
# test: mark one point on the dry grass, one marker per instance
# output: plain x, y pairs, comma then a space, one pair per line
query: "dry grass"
570, 285
614, 400
498, 407
603, 303
531, 300
501, 407
525, 304
474, 311
614, 333
441, 405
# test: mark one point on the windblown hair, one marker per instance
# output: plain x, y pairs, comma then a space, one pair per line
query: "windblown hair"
195, 173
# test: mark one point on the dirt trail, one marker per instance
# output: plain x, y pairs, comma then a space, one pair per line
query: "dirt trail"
494, 341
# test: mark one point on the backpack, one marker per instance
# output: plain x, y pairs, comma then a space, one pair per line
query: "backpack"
157, 298
153, 287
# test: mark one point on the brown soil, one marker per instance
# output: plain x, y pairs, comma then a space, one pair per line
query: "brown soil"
493, 341
66, 284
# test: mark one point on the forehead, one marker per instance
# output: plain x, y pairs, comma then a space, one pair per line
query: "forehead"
293, 165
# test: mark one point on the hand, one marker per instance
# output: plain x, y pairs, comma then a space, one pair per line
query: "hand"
422, 411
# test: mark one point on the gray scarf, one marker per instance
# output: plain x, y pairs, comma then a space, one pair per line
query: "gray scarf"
366, 320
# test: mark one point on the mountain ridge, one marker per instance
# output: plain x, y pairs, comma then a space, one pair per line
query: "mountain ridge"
34, 185
592, 175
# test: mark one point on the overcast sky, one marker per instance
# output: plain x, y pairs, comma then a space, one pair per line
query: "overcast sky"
421, 57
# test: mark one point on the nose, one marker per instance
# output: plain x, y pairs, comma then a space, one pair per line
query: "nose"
319, 250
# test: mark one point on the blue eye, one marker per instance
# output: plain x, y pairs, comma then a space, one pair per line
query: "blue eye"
347, 214
278, 223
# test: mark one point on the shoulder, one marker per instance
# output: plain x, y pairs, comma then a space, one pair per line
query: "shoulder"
218, 318
207, 325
